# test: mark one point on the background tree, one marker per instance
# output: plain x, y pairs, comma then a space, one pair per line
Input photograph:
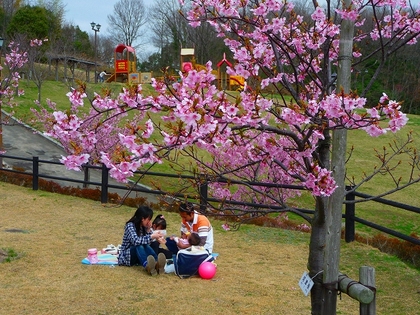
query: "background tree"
55, 9
73, 42
171, 32
152, 63
168, 32
400, 76
38, 71
33, 22
106, 47
126, 21
9, 8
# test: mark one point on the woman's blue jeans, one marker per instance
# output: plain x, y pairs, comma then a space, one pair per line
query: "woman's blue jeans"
140, 253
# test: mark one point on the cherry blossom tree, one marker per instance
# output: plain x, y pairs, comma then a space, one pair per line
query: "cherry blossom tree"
9, 71
298, 137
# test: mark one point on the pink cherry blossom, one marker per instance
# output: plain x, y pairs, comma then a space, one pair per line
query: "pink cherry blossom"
319, 14
74, 162
76, 97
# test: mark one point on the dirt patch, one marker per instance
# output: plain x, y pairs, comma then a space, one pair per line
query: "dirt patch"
15, 231
3, 255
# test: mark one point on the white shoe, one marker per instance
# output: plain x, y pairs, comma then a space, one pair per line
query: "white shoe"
110, 249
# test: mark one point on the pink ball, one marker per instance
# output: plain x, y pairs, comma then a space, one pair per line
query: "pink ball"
207, 270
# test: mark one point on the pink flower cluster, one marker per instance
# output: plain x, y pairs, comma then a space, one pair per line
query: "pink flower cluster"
320, 182
14, 60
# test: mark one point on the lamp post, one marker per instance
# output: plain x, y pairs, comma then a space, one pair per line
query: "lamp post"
95, 28
1, 114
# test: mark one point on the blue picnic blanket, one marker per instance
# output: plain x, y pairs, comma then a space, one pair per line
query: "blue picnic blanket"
103, 259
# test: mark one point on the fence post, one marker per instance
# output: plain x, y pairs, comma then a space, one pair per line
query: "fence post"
203, 193
349, 217
35, 172
367, 278
86, 177
104, 184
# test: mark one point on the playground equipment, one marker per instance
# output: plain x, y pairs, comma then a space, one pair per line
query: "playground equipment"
187, 59
224, 81
124, 65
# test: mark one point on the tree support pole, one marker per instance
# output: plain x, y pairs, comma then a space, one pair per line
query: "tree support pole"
355, 289
338, 159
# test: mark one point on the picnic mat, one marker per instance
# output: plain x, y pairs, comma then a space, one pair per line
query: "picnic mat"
109, 259
103, 259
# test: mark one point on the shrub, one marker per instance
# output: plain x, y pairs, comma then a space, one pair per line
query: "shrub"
406, 251
25, 180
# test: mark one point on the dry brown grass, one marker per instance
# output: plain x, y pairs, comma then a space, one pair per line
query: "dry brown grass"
258, 268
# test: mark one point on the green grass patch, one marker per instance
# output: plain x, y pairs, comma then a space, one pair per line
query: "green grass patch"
7, 255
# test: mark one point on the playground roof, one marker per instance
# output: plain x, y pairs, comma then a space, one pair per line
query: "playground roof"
72, 60
187, 51
121, 47
224, 60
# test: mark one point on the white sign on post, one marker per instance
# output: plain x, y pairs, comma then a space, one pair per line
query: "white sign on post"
306, 283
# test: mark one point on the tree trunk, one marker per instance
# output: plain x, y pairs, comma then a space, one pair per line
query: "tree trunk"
316, 254
318, 233
338, 157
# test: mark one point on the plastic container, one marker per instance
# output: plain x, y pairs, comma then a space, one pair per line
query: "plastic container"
93, 255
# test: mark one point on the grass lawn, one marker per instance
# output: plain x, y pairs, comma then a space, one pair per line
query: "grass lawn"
258, 268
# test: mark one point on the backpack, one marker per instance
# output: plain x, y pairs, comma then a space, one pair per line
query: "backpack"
188, 260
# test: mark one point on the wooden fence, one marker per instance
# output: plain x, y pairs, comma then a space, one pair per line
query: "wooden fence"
104, 184
351, 218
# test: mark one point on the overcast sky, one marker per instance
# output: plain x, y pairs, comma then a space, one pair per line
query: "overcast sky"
84, 12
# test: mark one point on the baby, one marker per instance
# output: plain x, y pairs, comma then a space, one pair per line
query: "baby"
159, 224
192, 239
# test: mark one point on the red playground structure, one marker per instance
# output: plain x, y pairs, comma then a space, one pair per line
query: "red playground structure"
224, 80
124, 65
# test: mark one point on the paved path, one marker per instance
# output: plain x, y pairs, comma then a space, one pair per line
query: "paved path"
21, 141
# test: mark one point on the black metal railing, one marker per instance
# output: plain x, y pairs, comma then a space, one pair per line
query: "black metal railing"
106, 186
351, 218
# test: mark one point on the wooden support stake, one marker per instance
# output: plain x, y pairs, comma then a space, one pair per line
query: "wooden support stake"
355, 290
367, 278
